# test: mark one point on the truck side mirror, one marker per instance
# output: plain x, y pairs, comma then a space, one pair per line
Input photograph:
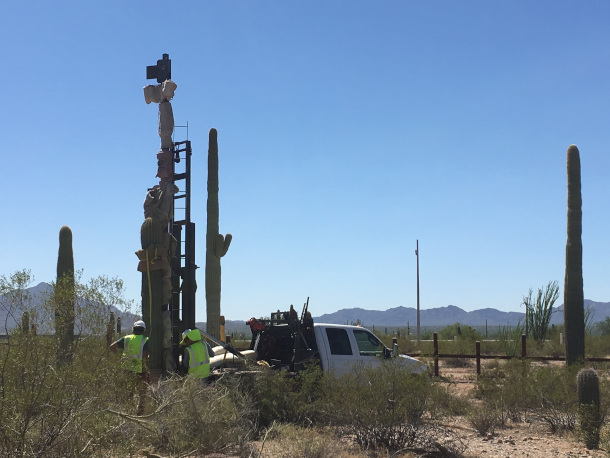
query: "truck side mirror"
387, 353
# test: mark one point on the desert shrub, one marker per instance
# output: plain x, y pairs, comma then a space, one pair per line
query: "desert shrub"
509, 338
458, 362
443, 403
291, 441
597, 346
493, 364
602, 328
506, 390
463, 332
554, 348
284, 397
188, 416
483, 420
47, 410
382, 408
406, 343
555, 397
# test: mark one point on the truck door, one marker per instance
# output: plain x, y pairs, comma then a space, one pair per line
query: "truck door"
341, 355
370, 348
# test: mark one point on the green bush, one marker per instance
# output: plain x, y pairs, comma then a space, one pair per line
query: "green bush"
483, 420
510, 338
463, 332
555, 401
46, 410
506, 390
382, 408
284, 397
188, 416
290, 441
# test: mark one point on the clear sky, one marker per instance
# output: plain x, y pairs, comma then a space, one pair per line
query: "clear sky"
347, 131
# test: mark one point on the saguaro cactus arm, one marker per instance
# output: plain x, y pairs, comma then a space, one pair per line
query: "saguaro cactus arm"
221, 244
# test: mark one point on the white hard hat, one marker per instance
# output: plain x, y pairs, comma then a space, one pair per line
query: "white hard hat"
139, 324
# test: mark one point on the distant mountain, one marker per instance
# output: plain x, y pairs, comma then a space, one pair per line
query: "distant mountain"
444, 316
398, 317
600, 311
393, 317
37, 294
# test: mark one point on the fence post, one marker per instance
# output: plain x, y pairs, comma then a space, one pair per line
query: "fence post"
523, 345
478, 346
435, 355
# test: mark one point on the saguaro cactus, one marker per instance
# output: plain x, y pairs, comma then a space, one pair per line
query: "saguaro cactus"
64, 297
573, 297
156, 284
588, 406
216, 244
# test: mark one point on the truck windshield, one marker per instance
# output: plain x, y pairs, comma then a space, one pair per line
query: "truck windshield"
368, 344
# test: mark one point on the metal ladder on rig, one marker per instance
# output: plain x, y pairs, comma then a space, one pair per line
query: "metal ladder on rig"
184, 285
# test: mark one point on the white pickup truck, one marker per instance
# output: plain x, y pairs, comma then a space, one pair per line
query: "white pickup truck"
340, 347
287, 342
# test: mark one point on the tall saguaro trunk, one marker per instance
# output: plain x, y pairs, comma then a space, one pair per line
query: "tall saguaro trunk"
216, 244
64, 297
573, 296
155, 291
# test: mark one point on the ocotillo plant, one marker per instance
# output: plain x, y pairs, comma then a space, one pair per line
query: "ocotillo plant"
64, 297
216, 244
573, 296
588, 406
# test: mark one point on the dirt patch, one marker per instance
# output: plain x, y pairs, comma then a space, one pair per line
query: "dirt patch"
530, 439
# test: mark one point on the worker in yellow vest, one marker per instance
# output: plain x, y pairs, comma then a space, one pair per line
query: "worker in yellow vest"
135, 355
196, 355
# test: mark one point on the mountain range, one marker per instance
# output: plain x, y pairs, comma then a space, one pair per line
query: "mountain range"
444, 316
397, 317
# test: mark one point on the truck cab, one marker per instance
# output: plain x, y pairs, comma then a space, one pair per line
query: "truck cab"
286, 342
341, 347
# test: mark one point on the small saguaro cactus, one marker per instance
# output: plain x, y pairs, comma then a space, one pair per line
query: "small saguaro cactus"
573, 296
64, 297
217, 245
588, 406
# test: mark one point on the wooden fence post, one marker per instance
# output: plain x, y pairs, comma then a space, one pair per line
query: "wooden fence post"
523, 345
435, 337
478, 346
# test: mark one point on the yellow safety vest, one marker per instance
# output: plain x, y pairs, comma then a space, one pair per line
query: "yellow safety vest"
199, 360
133, 352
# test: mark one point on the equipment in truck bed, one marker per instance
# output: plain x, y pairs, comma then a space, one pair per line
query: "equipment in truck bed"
284, 340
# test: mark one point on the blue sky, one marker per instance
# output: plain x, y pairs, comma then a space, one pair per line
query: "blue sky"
347, 131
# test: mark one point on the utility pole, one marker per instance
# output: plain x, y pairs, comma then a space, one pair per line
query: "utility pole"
417, 256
